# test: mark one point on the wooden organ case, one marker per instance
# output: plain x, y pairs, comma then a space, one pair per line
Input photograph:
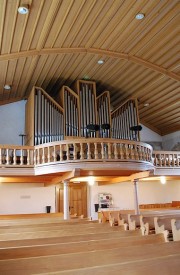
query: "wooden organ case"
78, 113
44, 118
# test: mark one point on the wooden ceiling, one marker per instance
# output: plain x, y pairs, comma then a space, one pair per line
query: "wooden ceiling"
60, 41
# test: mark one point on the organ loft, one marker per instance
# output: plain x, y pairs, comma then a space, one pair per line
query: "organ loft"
78, 113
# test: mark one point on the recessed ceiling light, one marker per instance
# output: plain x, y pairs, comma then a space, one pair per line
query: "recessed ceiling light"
7, 87
100, 61
140, 16
86, 77
23, 9
146, 104
163, 179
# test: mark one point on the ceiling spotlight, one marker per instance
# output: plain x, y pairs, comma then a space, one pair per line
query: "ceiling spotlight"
91, 181
86, 77
100, 62
7, 87
146, 104
140, 16
163, 179
23, 9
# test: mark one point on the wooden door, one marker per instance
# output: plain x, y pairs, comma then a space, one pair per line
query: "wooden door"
77, 199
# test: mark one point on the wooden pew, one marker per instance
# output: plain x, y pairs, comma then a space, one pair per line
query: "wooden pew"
79, 260
82, 246
161, 265
146, 221
57, 233
70, 238
21, 222
164, 223
47, 227
175, 225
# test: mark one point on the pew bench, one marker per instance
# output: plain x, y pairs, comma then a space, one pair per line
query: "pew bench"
52, 226
56, 233
175, 225
72, 238
78, 246
166, 265
165, 223
89, 259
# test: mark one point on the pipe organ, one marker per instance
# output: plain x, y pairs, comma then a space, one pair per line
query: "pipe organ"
87, 107
78, 113
123, 118
70, 102
104, 114
44, 118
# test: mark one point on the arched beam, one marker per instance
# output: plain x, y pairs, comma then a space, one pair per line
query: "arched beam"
112, 54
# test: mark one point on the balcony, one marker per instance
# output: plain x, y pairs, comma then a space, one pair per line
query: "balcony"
118, 156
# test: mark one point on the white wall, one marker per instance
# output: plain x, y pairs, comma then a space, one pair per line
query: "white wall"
148, 135
149, 192
26, 198
171, 141
12, 122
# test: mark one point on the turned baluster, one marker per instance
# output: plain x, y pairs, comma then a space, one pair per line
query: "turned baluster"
126, 151
14, 157
136, 150
115, 151
160, 160
60, 152
81, 151
95, 151
38, 156
54, 153
121, 146
173, 160
43, 155
177, 160
89, 151
28, 157
74, 151
49, 157
7, 156
102, 150
67, 151
109, 150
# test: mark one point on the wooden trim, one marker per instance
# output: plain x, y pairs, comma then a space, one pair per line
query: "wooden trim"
80, 50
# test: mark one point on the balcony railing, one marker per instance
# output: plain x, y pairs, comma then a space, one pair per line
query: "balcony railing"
86, 150
166, 158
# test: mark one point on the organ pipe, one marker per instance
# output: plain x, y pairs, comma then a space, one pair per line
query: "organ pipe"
51, 122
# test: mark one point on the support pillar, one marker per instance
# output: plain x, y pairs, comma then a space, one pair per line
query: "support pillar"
136, 202
88, 201
66, 200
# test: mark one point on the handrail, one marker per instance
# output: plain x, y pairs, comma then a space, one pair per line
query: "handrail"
93, 149
86, 150
166, 158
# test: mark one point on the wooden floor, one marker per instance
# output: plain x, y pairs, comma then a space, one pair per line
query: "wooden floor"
50, 245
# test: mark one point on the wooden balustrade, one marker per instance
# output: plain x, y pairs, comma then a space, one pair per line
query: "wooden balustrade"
166, 158
94, 149
16, 155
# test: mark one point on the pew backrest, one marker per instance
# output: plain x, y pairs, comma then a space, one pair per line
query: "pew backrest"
175, 225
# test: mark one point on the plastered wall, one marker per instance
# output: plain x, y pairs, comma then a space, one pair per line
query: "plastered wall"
26, 198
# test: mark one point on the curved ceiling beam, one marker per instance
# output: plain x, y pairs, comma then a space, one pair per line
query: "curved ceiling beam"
113, 54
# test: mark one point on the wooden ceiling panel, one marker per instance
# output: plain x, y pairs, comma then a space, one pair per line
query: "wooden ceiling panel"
130, 28
161, 18
58, 42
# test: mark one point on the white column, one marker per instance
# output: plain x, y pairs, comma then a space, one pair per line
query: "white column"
66, 200
88, 201
136, 203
